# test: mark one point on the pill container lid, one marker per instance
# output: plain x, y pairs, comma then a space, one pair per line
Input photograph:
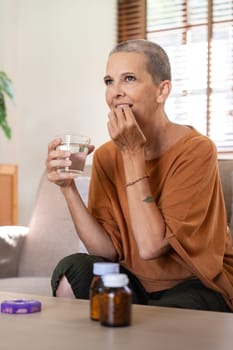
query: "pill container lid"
115, 280
102, 268
20, 306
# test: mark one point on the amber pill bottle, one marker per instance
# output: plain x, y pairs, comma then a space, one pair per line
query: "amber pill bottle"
99, 269
115, 301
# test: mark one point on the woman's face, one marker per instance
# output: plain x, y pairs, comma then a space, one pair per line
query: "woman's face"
128, 83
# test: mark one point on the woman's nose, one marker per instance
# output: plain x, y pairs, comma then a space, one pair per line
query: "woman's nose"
118, 90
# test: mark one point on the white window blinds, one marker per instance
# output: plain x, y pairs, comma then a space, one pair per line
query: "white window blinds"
131, 19
198, 37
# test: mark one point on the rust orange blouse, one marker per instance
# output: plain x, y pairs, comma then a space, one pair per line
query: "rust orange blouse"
186, 186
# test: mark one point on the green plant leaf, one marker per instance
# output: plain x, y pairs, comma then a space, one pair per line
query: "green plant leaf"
2, 107
5, 127
3, 122
6, 85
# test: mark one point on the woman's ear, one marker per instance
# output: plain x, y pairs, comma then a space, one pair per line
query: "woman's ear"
165, 89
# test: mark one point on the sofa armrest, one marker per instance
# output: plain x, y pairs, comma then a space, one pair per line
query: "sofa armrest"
11, 241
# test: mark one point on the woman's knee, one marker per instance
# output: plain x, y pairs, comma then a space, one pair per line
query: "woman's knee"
77, 269
64, 289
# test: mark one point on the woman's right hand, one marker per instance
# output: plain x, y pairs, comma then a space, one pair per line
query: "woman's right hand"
57, 159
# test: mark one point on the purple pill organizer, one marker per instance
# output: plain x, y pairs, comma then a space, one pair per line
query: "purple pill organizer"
20, 306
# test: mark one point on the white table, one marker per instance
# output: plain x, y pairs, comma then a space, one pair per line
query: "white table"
64, 324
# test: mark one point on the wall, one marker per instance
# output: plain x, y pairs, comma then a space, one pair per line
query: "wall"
55, 52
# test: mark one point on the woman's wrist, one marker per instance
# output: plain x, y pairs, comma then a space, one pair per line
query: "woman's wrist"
135, 169
71, 188
141, 178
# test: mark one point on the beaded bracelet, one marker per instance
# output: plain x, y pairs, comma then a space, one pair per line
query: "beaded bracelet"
137, 180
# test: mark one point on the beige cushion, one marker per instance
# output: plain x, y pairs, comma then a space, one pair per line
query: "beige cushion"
231, 222
11, 239
52, 234
226, 169
30, 285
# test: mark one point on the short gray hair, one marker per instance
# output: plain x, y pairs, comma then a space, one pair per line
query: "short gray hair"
158, 64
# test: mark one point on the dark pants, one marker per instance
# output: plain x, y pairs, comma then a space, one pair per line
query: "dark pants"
190, 294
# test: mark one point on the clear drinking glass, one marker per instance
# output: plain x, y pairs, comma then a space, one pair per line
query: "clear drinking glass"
78, 146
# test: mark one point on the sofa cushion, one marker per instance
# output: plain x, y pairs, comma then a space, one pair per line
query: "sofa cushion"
226, 169
231, 222
52, 234
30, 285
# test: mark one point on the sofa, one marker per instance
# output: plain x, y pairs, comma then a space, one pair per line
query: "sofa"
31, 259
51, 236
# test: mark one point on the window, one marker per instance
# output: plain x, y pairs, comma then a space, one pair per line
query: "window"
198, 37
131, 19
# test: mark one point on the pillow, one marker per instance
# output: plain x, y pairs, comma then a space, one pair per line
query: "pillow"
11, 239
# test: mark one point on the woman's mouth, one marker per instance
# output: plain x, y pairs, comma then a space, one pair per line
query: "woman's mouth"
123, 105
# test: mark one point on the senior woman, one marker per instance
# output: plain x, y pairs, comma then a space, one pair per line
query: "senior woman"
155, 200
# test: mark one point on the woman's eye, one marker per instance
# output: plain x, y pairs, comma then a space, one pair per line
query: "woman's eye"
130, 78
108, 81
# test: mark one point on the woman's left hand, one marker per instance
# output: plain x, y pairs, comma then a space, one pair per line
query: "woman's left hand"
124, 130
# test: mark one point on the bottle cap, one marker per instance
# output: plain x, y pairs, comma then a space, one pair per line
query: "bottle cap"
102, 268
115, 280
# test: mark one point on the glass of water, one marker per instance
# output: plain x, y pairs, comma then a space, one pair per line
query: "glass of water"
77, 145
